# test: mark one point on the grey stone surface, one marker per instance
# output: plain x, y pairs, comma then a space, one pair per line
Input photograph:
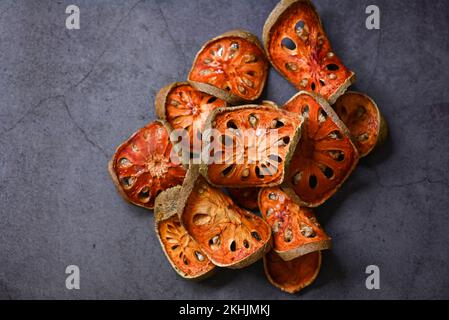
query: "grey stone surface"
68, 98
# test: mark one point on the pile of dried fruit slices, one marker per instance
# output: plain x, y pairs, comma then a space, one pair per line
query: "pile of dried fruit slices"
202, 211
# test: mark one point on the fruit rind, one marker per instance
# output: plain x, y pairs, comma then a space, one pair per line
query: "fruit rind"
229, 97
272, 19
298, 288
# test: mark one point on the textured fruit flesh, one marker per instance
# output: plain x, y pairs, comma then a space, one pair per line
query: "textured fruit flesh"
324, 156
246, 198
182, 250
144, 167
227, 233
361, 116
292, 276
260, 138
301, 51
293, 226
188, 109
233, 64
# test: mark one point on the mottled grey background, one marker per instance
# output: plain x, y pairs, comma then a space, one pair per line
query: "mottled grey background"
68, 98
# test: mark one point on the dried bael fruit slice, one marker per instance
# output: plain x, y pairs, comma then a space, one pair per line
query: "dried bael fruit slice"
299, 49
229, 235
246, 198
325, 155
144, 165
363, 119
292, 276
296, 231
232, 67
186, 108
183, 253
253, 145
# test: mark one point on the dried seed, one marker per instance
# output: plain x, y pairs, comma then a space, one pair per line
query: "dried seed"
241, 89
332, 76
205, 72
304, 83
360, 111
363, 137
297, 177
199, 256
250, 58
245, 173
215, 240
235, 46
207, 60
291, 66
248, 82
276, 227
269, 212
175, 102
128, 181
321, 118
134, 148
220, 51
288, 236
307, 231
272, 196
124, 162
252, 120
330, 54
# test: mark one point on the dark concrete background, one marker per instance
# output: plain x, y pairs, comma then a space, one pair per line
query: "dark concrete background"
68, 98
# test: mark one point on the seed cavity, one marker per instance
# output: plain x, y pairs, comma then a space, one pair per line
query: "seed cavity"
275, 158
211, 99
304, 82
328, 172
313, 86
307, 231
276, 124
269, 212
144, 194
335, 135
332, 67
248, 82
207, 60
305, 111
322, 116
124, 162
245, 173
233, 246
272, 196
228, 170
363, 137
276, 227
231, 125
134, 148
291, 66
235, 46
330, 54
128, 181
297, 178
241, 89
332, 76
201, 219
256, 235
361, 111
250, 58
252, 120
215, 241
302, 31
174, 102
322, 82
259, 173
313, 182
288, 43
337, 155
205, 72
185, 260
220, 51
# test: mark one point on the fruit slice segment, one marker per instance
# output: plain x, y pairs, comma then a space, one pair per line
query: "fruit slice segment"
183, 253
144, 166
253, 145
325, 155
231, 67
299, 49
229, 235
246, 198
292, 276
296, 231
186, 108
363, 119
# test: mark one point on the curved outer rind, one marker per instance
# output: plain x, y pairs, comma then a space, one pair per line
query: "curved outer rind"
305, 248
230, 98
165, 208
280, 8
382, 131
161, 99
286, 186
277, 285
291, 150
187, 188
114, 175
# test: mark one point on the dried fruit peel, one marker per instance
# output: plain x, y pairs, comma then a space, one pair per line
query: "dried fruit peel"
325, 155
232, 67
141, 167
292, 276
298, 47
364, 120
181, 250
184, 107
229, 235
296, 231
246, 198
261, 118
